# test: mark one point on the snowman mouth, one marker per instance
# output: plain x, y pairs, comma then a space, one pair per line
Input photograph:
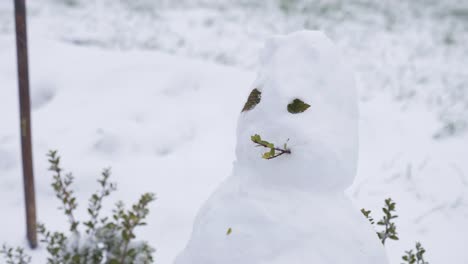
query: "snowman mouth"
273, 151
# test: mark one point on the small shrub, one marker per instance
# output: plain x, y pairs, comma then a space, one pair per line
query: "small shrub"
389, 231
386, 221
109, 240
14, 255
415, 258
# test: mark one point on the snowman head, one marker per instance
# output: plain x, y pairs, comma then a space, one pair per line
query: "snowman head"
304, 96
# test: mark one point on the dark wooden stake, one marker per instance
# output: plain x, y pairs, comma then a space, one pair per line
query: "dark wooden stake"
25, 120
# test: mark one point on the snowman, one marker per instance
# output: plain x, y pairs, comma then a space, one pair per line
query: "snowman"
296, 153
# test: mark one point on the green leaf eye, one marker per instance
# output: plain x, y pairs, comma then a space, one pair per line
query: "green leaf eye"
252, 100
297, 106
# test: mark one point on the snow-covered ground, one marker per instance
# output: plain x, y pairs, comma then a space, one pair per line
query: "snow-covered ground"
155, 94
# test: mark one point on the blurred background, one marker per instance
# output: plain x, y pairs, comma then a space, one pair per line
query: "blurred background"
153, 89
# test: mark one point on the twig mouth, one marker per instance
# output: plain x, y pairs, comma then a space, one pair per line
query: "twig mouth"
274, 152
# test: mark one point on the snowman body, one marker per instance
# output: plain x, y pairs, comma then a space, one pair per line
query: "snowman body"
291, 209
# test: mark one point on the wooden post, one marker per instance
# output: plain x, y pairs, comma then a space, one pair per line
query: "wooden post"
25, 120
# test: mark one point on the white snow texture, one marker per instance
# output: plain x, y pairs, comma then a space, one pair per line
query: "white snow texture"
291, 209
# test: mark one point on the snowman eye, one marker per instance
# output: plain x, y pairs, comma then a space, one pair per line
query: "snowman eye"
297, 106
252, 100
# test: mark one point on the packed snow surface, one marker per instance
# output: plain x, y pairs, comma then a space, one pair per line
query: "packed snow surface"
292, 208
143, 86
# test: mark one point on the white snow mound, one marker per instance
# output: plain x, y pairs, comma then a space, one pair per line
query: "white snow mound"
291, 209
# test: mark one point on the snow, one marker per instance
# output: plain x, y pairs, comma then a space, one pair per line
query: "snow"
105, 77
273, 226
125, 125
280, 209
413, 50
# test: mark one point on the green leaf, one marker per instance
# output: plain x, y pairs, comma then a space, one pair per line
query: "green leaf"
272, 152
297, 106
229, 231
253, 100
256, 138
